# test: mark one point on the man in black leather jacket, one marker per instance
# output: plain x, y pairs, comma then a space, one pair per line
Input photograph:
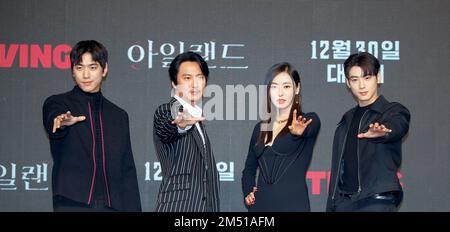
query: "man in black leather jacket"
367, 144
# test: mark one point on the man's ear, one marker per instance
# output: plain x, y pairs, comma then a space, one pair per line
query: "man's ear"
347, 83
173, 85
379, 78
105, 70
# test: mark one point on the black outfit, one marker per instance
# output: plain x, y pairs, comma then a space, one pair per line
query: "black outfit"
377, 160
93, 161
190, 177
282, 170
62, 204
349, 178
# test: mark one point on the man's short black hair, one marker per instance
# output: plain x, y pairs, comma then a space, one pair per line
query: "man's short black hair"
97, 50
368, 63
187, 56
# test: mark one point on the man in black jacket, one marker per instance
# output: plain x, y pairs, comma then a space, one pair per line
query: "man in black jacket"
367, 144
89, 136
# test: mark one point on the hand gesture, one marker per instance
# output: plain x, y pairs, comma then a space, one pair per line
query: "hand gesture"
66, 120
299, 124
185, 119
375, 130
250, 198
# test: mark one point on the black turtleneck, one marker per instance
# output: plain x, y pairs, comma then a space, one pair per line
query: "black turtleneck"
349, 180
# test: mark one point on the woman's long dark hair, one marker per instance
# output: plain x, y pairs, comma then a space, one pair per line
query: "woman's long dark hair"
265, 136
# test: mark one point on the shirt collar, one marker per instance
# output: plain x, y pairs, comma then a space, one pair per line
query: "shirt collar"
194, 111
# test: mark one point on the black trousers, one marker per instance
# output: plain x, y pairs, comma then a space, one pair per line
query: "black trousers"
62, 204
345, 203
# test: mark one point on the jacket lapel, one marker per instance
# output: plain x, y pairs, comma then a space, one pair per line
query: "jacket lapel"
193, 130
198, 139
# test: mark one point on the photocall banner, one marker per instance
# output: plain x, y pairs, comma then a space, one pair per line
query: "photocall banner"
240, 40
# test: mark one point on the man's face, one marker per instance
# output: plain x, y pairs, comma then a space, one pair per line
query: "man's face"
88, 74
190, 82
364, 88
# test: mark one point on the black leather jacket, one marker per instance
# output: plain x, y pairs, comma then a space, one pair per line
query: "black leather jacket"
378, 159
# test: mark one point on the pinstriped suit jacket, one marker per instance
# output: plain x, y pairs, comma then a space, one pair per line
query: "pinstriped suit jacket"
190, 178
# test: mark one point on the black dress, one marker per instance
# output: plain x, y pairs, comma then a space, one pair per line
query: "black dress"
282, 170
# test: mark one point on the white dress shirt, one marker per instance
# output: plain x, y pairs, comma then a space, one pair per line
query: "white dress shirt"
195, 112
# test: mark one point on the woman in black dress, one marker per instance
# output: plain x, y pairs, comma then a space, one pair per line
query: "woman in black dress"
280, 148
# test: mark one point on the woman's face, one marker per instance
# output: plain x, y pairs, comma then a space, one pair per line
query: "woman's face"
282, 91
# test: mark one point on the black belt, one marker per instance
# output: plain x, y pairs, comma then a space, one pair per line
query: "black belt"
347, 195
391, 196
377, 196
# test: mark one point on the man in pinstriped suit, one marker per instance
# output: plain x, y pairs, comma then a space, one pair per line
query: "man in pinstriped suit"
190, 178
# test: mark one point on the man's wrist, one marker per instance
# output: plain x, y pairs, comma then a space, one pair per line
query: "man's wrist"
183, 130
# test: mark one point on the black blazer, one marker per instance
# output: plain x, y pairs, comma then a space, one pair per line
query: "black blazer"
190, 178
73, 152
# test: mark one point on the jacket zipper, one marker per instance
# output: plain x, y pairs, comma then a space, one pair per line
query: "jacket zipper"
93, 154
339, 165
103, 160
340, 159
93, 158
357, 151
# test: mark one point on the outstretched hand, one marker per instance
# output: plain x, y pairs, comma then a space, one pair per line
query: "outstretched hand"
184, 119
375, 130
299, 124
66, 119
